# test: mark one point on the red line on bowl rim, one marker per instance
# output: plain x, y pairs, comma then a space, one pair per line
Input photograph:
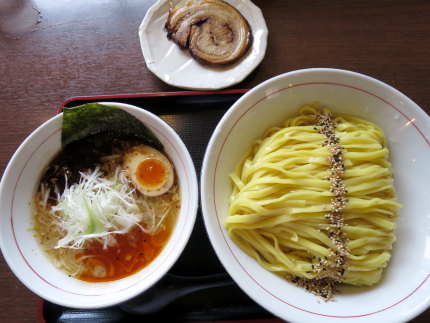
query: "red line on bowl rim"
266, 96
189, 207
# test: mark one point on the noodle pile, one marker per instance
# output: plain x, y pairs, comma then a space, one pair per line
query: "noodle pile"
314, 201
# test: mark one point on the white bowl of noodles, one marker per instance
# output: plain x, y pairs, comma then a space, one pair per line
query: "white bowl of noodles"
17, 236
402, 291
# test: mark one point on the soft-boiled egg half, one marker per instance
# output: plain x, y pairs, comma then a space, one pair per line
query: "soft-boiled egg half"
149, 169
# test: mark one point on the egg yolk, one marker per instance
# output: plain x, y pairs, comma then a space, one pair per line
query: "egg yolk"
151, 173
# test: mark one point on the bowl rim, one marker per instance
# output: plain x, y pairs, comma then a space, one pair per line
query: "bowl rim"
69, 298
221, 134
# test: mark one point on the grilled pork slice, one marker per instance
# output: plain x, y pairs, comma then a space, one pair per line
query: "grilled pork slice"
215, 32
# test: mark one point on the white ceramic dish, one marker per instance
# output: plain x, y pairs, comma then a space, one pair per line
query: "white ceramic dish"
404, 291
176, 67
21, 250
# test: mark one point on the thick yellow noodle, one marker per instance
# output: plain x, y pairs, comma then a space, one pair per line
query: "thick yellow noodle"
282, 193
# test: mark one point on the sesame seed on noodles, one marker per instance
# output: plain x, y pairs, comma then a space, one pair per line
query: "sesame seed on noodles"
330, 270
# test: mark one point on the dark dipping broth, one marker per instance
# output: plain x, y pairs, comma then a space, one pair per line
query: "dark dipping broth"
97, 261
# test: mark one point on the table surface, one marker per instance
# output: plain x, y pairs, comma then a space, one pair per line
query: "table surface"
53, 50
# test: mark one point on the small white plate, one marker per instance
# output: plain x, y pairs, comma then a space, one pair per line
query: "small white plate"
176, 67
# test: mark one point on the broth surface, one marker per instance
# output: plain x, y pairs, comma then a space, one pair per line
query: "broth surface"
95, 261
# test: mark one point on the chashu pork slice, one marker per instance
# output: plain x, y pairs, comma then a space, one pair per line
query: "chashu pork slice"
215, 32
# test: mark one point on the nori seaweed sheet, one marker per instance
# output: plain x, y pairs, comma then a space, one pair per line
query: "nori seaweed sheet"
103, 122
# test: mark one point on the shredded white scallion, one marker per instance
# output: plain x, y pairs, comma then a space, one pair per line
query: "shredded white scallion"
45, 195
96, 207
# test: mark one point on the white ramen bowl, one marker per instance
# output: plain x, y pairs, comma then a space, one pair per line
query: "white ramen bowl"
27, 260
404, 291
